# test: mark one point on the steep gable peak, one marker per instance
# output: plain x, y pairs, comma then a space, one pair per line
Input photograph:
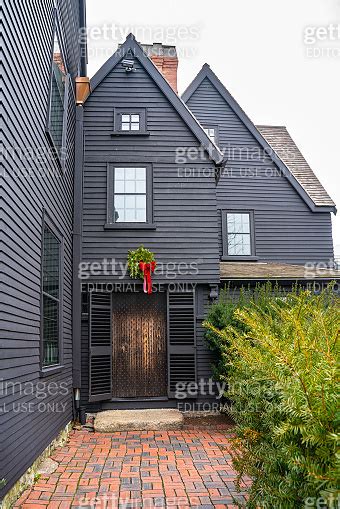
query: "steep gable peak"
124, 55
270, 139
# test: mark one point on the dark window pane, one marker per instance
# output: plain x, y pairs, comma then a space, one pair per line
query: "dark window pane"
50, 297
238, 234
56, 117
51, 263
239, 244
50, 331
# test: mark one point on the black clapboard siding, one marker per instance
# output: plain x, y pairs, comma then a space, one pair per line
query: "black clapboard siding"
184, 207
286, 229
32, 183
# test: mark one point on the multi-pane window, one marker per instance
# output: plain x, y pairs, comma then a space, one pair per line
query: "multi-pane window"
127, 121
51, 261
129, 195
55, 125
238, 226
211, 133
130, 122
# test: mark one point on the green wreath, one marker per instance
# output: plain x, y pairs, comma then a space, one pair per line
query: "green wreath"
134, 257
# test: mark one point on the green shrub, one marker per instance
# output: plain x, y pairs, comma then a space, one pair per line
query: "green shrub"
278, 354
141, 254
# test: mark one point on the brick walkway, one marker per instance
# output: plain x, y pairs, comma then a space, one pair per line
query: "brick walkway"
177, 469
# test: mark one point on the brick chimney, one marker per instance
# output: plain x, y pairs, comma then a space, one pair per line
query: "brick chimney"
165, 59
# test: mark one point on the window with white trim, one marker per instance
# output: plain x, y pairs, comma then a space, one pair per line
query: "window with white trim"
211, 132
238, 233
129, 121
129, 195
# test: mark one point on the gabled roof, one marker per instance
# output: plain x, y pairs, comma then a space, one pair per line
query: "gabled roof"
280, 140
298, 172
132, 46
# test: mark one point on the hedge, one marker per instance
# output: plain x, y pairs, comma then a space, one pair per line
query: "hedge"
279, 353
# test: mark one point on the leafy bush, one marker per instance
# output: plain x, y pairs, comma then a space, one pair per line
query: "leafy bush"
140, 254
279, 353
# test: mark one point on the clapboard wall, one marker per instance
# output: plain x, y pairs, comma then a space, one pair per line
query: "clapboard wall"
286, 230
36, 409
184, 198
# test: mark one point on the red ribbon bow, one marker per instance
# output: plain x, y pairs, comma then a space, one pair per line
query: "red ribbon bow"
147, 269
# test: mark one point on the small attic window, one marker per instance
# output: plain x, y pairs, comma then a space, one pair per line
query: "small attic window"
128, 121
212, 132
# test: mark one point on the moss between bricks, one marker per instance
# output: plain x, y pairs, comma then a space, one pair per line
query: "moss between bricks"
28, 478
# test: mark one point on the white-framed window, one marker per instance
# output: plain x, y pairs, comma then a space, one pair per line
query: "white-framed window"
238, 234
130, 122
211, 132
129, 194
127, 121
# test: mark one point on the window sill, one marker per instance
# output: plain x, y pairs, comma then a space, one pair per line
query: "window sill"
129, 226
53, 370
239, 258
130, 133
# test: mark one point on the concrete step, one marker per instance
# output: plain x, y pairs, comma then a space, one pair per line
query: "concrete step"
138, 420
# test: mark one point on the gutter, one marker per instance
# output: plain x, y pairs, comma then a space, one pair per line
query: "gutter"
77, 253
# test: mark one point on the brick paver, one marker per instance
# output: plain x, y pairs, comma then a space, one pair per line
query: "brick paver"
177, 469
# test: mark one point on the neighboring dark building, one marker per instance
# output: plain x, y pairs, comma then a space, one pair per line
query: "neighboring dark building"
217, 199
41, 59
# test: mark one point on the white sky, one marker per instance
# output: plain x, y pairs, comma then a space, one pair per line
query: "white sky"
257, 48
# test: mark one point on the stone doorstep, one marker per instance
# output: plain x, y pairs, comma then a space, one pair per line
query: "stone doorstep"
138, 420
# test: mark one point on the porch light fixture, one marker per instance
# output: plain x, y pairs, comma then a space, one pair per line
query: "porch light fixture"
213, 295
128, 65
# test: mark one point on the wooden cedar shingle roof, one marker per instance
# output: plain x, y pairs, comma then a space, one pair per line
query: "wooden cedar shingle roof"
281, 142
274, 271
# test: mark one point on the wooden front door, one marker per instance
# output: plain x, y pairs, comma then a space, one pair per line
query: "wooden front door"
139, 345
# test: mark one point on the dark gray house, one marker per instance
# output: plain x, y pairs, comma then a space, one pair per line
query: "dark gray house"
42, 56
215, 198
88, 177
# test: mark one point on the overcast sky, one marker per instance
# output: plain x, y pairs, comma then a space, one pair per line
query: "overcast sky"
279, 59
